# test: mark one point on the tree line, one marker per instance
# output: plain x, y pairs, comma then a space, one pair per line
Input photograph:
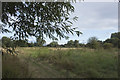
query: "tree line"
93, 42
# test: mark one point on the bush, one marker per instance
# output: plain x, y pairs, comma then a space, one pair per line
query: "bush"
107, 45
93, 43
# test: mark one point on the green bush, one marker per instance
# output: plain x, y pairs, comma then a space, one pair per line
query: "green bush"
108, 45
93, 43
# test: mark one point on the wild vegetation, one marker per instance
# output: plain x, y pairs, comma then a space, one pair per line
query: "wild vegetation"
93, 43
96, 59
62, 63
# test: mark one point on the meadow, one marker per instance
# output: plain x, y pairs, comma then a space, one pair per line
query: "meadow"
45, 62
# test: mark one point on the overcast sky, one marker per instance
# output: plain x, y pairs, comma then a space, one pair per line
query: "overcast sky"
94, 19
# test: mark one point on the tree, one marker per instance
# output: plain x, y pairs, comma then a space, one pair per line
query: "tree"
76, 43
21, 43
38, 19
115, 35
92, 39
6, 42
53, 44
119, 44
82, 45
93, 43
31, 44
40, 42
115, 39
70, 43
108, 45
9, 45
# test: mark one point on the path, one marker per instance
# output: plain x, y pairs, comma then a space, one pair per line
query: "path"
40, 70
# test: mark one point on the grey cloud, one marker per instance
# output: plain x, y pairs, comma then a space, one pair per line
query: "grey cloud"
99, 16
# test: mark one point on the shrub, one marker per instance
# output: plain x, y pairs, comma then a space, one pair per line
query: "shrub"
93, 43
107, 45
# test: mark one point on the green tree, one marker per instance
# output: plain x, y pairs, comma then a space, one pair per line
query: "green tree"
115, 39
93, 43
76, 43
70, 43
38, 19
119, 44
108, 45
53, 44
31, 44
6, 42
40, 42
115, 35
9, 45
21, 43
82, 45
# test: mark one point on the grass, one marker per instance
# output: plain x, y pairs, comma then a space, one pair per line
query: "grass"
72, 63
12, 67
80, 62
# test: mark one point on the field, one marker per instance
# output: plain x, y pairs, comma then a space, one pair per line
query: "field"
45, 62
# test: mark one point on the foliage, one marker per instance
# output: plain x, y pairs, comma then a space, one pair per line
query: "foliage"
85, 63
115, 39
70, 43
53, 44
40, 41
115, 35
108, 45
92, 39
82, 45
31, 44
93, 43
38, 19
76, 43
21, 43
6, 42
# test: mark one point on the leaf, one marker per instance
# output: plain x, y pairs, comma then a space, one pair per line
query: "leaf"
75, 18
34, 19
78, 33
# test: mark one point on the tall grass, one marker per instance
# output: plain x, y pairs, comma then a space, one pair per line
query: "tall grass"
72, 63
80, 62
13, 67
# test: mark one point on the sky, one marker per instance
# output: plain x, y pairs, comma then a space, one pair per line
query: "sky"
95, 19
